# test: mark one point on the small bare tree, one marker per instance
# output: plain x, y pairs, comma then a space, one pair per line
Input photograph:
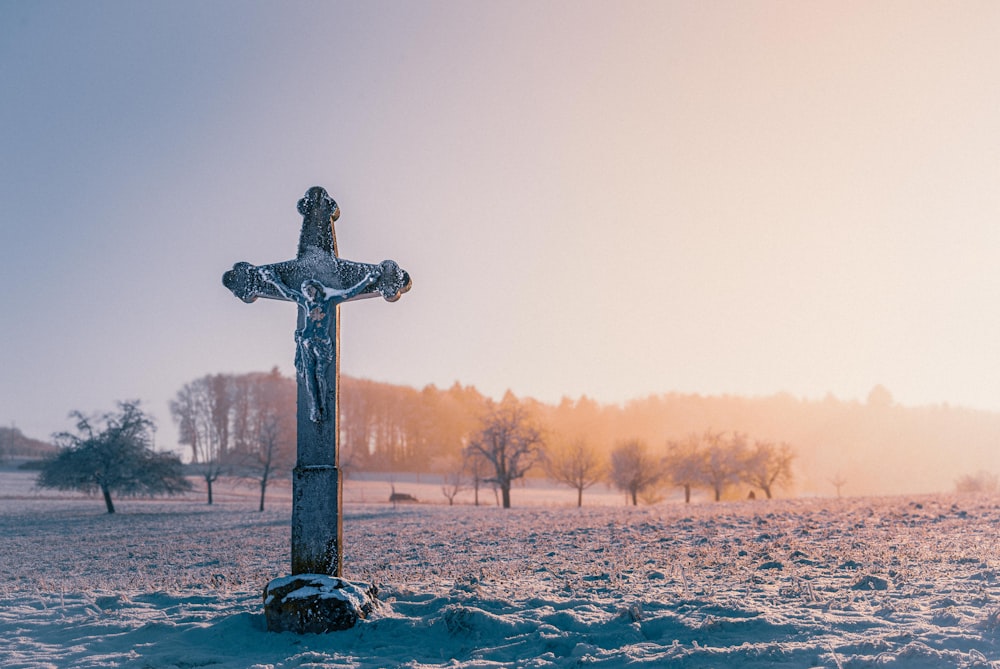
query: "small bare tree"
478, 469
452, 484
264, 431
722, 462
577, 465
201, 411
509, 441
838, 481
270, 448
633, 470
684, 464
768, 464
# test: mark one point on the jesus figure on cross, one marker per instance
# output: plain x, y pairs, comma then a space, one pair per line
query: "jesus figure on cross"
314, 350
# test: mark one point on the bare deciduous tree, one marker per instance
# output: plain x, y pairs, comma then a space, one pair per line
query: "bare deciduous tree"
684, 464
479, 470
198, 412
722, 461
270, 441
767, 465
452, 484
237, 424
577, 465
186, 410
263, 426
509, 441
838, 481
633, 469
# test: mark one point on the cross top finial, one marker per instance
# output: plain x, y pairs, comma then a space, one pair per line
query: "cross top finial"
319, 211
316, 198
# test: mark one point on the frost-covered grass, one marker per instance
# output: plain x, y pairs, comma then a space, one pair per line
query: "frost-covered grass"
906, 582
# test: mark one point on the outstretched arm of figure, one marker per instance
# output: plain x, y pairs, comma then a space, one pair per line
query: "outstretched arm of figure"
268, 274
348, 293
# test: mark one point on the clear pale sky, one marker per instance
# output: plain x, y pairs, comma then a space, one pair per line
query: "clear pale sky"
610, 199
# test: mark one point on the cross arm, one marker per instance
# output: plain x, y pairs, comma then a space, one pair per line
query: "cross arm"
392, 280
247, 282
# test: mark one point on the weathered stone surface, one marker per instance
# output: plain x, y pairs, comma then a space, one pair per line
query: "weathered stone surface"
316, 603
316, 541
315, 599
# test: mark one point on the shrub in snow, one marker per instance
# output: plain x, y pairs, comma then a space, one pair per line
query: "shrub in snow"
871, 583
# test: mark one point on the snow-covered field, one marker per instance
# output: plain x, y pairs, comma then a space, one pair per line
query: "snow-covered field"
903, 582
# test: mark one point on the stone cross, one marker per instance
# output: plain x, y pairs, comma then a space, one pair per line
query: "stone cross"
317, 280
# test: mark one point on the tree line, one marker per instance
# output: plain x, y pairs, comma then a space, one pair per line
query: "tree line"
240, 425
246, 421
872, 446
237, 424
716, 461
510, 443
244, 425
864, 447
510, 440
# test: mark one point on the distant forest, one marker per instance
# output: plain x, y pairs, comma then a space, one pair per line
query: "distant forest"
857, 448
13, 444
875, 447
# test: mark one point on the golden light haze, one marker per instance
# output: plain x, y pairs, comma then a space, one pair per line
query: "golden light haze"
875, 447
777, 196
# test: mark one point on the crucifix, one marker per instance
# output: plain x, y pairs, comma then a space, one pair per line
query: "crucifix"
318, 281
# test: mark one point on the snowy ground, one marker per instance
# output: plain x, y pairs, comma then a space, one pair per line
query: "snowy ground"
904, 582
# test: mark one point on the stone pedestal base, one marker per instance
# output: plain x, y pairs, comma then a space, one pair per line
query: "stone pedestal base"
315, 603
